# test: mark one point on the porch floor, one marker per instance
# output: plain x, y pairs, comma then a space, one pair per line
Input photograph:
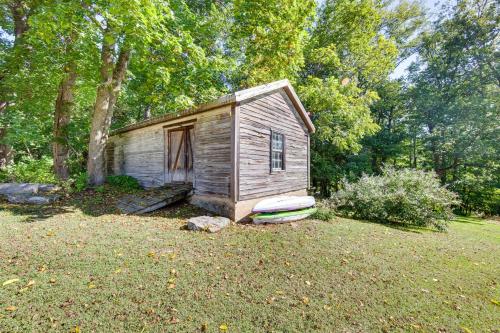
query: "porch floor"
152, 199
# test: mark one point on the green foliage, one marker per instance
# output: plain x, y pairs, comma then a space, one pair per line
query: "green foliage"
454, 104
341, 112
126, 183
338, 53
100, 189
268, 38
324, 211
351, 52
479, 189
405, 196
29, 170
81, 181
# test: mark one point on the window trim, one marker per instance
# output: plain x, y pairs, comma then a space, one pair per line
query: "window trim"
283, 153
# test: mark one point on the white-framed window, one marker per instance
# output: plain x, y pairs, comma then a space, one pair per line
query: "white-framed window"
277, 151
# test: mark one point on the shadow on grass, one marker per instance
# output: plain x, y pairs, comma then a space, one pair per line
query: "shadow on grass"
96, 203
32, 213
469, 220
401, 227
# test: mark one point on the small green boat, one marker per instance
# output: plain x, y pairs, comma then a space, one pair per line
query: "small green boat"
282, 217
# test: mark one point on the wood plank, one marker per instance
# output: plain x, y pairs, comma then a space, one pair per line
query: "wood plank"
257, 119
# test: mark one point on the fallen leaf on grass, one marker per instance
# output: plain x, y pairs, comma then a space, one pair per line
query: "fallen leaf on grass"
52, 280
50, 234
76, 329
151, 254
308, 283
11, 308
30, 283
305, 300
495, 302
466, 330
223, 327
92, 286
10, 282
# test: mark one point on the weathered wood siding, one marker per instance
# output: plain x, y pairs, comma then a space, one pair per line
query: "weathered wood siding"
257, 117
142, 153
139, 154
212, 153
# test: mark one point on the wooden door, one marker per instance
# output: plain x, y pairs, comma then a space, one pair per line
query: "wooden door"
180, 155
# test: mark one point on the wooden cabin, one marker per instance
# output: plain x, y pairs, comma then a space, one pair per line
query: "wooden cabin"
235, 151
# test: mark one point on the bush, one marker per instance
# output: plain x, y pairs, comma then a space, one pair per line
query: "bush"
29, 170
125, 183
324, 211
323, 214
398, 196
80, 181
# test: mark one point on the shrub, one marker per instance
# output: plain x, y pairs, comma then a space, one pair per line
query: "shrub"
29, 170
398, 196
323, 214
81, 181
125, 183
324, 211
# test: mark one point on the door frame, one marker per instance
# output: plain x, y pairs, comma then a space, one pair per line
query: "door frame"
188, 148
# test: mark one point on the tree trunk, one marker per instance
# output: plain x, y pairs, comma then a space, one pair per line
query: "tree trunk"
107, 93
147, 112
20, 19
5, 150
62, 116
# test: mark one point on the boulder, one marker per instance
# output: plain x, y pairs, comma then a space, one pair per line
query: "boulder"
31, 199
26, 188
207, 223
18, 188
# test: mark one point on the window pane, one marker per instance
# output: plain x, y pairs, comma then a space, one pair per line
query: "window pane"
277, 151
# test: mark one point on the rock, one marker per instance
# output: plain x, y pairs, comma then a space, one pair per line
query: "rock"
31, 199
18, 188
48, 188
26, 188
207, 223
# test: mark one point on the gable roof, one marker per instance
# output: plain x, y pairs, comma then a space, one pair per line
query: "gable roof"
235, 97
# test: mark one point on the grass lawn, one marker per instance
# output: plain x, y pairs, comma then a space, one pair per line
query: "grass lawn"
92, 270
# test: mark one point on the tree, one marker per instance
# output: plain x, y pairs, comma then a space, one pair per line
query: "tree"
454, 91
62, 34
127, 29
345, 58
14, 21
389, 113
164, 80
268, 39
